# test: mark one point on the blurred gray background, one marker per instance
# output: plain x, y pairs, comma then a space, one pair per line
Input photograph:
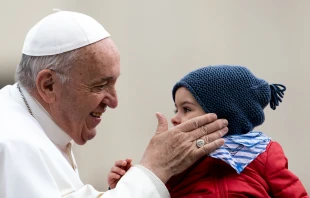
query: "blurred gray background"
160, 41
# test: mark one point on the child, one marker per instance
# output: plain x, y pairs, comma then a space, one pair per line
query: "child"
249, 164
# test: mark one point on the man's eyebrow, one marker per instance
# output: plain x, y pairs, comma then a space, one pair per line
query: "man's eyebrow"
105, 79
101, 80
108, 78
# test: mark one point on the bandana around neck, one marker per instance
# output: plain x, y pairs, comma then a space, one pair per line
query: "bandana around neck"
240, 150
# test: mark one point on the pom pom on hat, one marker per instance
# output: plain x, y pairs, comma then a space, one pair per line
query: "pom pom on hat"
233, 93
62, 31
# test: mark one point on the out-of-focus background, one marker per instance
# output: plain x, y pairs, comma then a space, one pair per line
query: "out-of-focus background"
160, 41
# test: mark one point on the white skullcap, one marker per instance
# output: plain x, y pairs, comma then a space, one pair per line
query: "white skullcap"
62, 31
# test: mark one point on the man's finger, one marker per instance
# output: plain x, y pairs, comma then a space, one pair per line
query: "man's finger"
209, 129
196, 122
208, 148
216, 135
162, 125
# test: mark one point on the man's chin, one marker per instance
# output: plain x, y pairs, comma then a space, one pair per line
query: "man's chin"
87, 136
91, 134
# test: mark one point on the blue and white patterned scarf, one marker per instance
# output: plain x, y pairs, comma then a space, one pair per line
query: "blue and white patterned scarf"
240, 150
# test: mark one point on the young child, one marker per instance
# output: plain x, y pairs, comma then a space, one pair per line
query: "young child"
249, 164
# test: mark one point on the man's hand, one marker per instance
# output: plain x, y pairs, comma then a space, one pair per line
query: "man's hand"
172, 151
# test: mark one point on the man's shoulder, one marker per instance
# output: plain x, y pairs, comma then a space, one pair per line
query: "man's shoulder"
9, 102
21, 136
19, 144
19, 130
13, 116
15, 121
14, 143
5, 91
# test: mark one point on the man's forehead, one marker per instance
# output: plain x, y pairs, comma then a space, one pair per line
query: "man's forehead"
104, 50
98, 62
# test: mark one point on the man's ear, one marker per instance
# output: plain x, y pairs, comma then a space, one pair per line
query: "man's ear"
45, 83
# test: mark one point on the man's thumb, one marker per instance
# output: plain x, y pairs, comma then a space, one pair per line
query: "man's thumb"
162, 123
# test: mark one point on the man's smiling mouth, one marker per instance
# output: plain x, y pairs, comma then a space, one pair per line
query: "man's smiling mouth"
96, 114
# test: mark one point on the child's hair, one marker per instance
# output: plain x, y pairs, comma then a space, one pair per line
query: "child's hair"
233, 93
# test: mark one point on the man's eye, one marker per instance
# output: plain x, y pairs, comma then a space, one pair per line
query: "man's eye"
101, 87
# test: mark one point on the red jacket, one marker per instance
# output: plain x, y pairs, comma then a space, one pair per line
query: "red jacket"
266, 176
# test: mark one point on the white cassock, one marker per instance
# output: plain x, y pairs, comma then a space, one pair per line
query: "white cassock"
36, 160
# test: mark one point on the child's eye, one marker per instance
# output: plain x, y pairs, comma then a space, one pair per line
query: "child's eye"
185, 109
175, 111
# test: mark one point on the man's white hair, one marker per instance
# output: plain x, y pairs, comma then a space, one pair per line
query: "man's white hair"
29, 67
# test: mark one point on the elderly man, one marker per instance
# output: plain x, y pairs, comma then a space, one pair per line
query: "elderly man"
65, 81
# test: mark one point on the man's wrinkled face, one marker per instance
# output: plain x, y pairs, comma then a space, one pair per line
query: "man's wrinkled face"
186, 107
81, 101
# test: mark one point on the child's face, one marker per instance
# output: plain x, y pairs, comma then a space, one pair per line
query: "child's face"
186, 107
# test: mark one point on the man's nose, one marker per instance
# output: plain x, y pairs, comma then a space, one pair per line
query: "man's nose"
111, 99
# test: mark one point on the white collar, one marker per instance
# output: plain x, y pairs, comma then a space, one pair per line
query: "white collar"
51, 129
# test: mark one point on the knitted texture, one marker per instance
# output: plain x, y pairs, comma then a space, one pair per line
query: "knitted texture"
232, 92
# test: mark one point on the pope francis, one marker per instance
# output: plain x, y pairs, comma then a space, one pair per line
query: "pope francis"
64, 83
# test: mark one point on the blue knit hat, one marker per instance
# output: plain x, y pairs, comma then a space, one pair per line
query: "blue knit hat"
233, 93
